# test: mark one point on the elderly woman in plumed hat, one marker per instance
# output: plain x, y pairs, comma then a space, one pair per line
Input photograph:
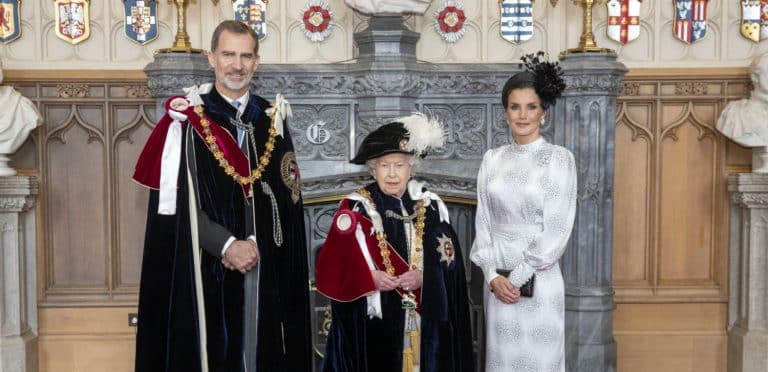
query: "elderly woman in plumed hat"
392, 265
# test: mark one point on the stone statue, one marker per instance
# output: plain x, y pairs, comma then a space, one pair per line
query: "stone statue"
389, 7
746, 121
18, 117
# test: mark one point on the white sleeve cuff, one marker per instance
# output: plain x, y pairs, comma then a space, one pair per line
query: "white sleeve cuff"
521, 273
374, 305
227, 244
489, 272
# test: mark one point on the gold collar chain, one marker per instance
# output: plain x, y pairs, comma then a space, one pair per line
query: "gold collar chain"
229, 169
381, 237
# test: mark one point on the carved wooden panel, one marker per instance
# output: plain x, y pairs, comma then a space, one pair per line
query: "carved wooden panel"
633, 178
670, 188
690, 152
678, 337
670, 219
85, 339
91, 223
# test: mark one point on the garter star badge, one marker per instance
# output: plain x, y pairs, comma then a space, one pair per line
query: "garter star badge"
446, 249
141, 20
253, 13
516, 20
690, 20
623, 20
317, 20
10, 20
449, 21
754, 19
73, 22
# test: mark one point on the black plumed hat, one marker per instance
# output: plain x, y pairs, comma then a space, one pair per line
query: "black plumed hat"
413, 134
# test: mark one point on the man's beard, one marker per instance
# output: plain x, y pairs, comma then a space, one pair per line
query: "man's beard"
236, 85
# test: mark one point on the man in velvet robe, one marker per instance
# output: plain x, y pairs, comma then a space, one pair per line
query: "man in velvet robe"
225, 209
377, 261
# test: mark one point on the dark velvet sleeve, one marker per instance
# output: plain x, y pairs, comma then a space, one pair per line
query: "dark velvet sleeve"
446, 328
167, 337
212, 235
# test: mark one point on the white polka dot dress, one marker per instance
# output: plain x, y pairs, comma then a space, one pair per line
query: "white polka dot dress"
526, 203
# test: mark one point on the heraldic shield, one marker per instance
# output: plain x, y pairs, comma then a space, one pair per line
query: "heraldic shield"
141, 20
754, 19
516, 20
73, 23
10, 29
690, 20
623, 20
253, 13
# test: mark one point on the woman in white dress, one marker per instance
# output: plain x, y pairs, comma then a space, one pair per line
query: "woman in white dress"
526, 203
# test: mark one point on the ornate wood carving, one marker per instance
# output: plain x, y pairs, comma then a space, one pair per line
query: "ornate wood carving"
72, 90
90, 220
673, 203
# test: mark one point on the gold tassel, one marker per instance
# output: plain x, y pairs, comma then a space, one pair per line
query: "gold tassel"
407, 359
415, 337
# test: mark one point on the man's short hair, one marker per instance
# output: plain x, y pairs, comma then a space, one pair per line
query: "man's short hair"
235, 27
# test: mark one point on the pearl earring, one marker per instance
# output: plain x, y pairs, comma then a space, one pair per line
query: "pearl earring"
541, 121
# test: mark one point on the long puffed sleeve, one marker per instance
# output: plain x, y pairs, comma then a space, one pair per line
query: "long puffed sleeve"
558, 186
482, 253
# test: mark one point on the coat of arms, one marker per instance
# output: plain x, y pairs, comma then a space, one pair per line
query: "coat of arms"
317, 20
754, 19
690, 20
141, 20
516, 20
449, 21
10, 29
254, 13
623, 20
72, 20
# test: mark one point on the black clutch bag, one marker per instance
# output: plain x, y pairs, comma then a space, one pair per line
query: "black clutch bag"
526, 290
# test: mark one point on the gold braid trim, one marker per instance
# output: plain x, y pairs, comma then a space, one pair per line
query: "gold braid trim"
210, 140
418, 244
381, 237
411, 354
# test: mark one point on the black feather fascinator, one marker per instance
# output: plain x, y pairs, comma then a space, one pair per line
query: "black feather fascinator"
547, 82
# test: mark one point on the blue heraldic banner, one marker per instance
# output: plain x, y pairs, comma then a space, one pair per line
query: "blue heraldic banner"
141, 20
516, 20
10, 25
253, 13
690, 20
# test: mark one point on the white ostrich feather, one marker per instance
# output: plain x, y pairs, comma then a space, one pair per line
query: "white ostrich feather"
424, 133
